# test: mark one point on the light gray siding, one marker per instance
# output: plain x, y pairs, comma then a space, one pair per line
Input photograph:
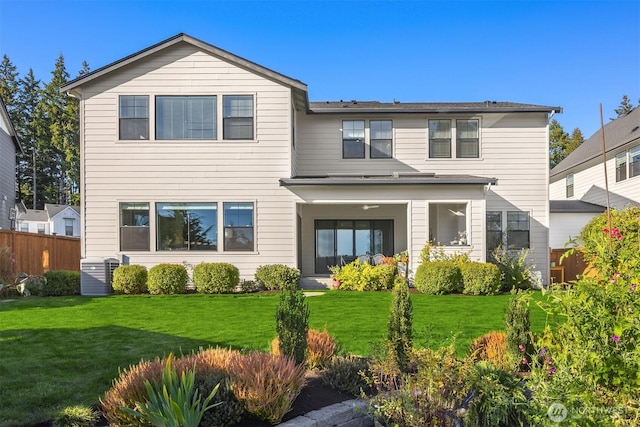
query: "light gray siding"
7, 175
187, 171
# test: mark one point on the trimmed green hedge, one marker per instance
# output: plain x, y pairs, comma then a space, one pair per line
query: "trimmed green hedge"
215, 277
130, 279
61, 283
167, 279
480, 278
278, 276
438, 278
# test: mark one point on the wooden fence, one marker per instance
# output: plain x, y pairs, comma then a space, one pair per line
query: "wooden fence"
38, 253
570, 267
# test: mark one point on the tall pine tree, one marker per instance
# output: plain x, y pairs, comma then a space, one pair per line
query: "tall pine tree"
561, 144
624, 108
28, 99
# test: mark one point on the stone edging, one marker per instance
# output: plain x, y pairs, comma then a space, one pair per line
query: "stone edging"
350, 413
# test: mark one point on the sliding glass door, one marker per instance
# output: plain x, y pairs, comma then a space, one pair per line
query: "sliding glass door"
342, 241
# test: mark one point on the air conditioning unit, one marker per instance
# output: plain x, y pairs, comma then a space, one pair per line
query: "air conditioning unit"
96, 275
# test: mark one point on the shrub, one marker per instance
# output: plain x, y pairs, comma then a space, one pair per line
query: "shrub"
480, 278
266, 384
215, 278
321, 347
514, 267
497, 398
292, 324
167, 279
130, 279
491, 347
7, 263
432, 252
438, 278
518, 331
278, 277
61, 283
33, 285
399, 326
358, 276
347, 373
76, 416
174, 401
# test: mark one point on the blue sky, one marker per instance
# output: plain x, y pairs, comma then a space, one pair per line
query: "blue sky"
573, 54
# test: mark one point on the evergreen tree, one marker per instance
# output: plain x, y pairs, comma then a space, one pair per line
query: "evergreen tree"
28, 99
9, 86
624, 108
561, 144
292, 325
400, 325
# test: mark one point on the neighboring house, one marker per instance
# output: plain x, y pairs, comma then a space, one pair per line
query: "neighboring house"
192, 154
9, 147
62, 220
579, 180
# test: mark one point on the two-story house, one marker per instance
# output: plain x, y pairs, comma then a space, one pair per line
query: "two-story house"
63, 220
9, 146
192, 154
577, 183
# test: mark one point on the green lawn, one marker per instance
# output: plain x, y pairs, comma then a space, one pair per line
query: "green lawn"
56, 352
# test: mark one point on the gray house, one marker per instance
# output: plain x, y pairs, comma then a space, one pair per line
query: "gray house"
9, 147
192, 154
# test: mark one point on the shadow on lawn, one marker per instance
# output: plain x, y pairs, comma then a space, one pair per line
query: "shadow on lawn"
39, 303
44, 370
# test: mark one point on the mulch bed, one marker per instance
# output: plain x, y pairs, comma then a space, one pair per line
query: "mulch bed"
315, 395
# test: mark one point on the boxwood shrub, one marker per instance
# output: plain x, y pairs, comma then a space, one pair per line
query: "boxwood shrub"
61, 283
167, 279
438, 278
215, 277
480, 278
130, 279
278, 276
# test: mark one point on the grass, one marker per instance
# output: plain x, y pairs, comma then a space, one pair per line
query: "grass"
65, 351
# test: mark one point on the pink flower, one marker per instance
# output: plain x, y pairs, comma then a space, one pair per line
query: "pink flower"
606, 230
632, 287
524, 361
552, 371
521, 347
543, 351
615, 338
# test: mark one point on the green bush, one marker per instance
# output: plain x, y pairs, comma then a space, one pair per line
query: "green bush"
358, 276
480, 278
497, 398
514, 267
438, 278
278, 276
76, 416
61, 282
518, 330
230, 411
34, 285
167, 279
400, 332
292, 325
215, 278
130, 279
347, 373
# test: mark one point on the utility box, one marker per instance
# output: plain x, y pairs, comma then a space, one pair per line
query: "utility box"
96, 275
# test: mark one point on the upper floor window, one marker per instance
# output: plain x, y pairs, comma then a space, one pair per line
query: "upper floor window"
621, 166
381, 139
440, 138
569, 185
134, 117
186, 117
40, 228
134, 226
518, 230
353, 139
238, 116
68, 227
634, 161
467, 140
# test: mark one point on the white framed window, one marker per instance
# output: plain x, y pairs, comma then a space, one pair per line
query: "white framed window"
41, 228
468, 139
186, 117
187, 226
569, 185
494, 232
448, 224
134, 226
239, 226
68, 227
237, 117
133, 117
518, 230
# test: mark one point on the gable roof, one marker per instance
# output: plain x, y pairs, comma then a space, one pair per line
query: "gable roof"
5, 116
574, 206
297, 85
38, 215
54, 210
622, 131
354, 106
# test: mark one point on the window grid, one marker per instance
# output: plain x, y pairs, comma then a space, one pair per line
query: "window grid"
237, 117
518, 228
467, 139
621, 166
439, 139
381, 139
569, 185
134, 117
634, 161
353, 139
